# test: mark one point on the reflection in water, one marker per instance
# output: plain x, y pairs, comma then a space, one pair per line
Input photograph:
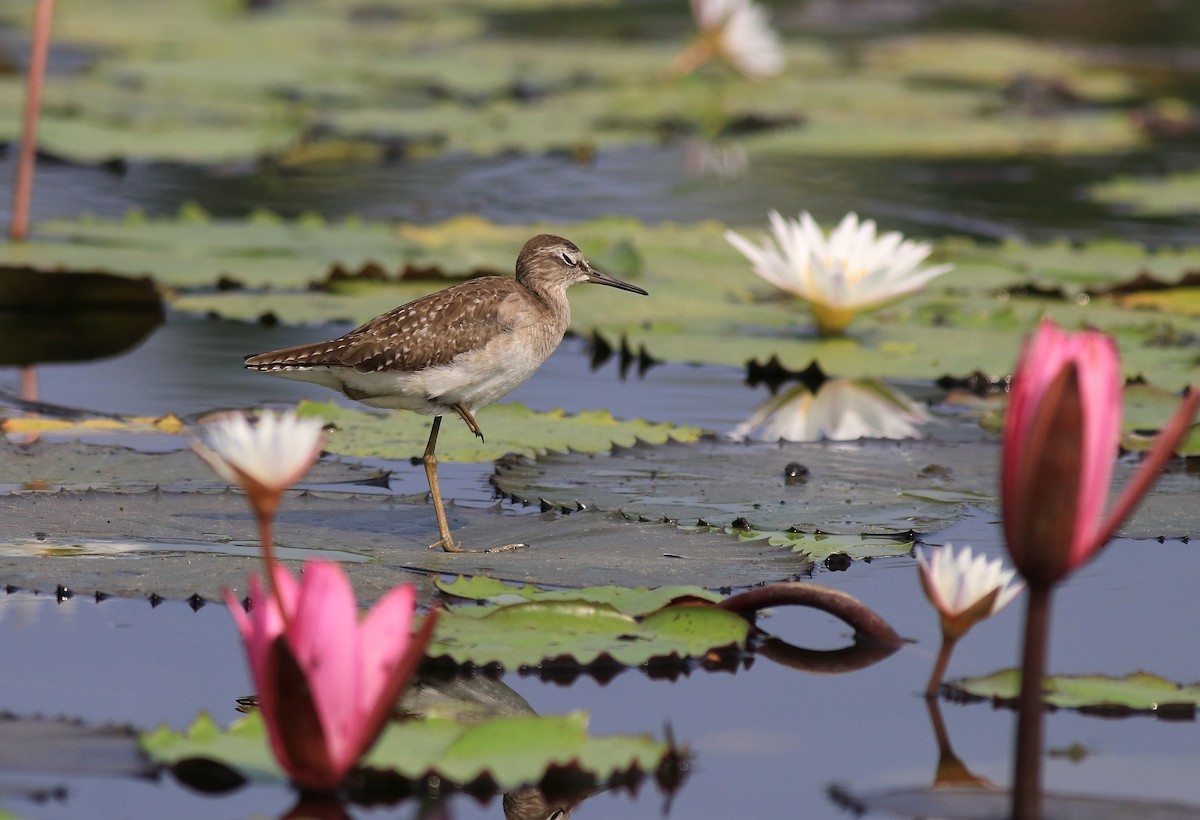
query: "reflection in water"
475, 699
837, 410
950, 770
70, 317
468, 700
721, 159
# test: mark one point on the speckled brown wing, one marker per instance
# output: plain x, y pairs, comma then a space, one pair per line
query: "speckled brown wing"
428, 331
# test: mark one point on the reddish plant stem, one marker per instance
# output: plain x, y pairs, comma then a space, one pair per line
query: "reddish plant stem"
696, 55
837, 603
1027, 775
939, 668
266, 518
23, 185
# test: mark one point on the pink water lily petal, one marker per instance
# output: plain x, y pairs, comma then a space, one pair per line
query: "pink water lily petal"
325, 639
1061, 439
1101, 386
385, 639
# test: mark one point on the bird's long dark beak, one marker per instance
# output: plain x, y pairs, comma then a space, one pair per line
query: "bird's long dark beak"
600, 278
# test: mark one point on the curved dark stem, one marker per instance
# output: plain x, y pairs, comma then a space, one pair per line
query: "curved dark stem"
862, 618
860, 655
1027, 776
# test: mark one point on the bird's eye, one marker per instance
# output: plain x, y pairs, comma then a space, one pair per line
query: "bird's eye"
569, 260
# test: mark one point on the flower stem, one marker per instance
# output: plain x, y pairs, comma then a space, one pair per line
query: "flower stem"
266, 518
27, 155
1027, 775
939, 668
696, 55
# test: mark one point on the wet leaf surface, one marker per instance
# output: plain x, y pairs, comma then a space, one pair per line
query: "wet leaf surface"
853, 487
585, 548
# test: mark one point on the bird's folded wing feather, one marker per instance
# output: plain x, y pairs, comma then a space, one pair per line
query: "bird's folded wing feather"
424, 333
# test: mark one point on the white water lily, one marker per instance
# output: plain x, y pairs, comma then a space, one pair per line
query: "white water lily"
851, 271
965, 588
838, 410
738, 32
265, 457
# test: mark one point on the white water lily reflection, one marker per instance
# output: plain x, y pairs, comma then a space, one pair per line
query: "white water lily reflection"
837, 410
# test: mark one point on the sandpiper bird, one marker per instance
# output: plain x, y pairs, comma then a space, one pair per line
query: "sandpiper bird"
458, 349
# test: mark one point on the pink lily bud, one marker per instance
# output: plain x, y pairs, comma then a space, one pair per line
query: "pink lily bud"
326, 679
1061, 437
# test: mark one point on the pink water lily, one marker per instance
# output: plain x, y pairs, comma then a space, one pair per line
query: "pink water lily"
1061, 437
326, 679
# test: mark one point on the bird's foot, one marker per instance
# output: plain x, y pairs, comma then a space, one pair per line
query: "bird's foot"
449, 546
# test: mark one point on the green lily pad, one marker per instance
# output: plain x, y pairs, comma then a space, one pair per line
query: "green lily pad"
312, 83
507, 428
638, 601
705, 303
583, 633
511, 751
1139, 692
819, 546
1185, 301
1171, 195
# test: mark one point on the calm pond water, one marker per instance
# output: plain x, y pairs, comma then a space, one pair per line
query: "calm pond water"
1038, 198
768, 740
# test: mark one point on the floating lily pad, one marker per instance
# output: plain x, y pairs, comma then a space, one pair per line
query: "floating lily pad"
705, 303
507, 428
853, 487
510, 751
638, 601
820, 546
580, 633
1140, 692
584, 549
81, 465
315, 83
1174, 194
